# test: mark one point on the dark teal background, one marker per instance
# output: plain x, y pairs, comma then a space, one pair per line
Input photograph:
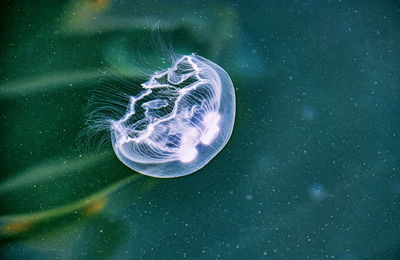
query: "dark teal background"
310, 172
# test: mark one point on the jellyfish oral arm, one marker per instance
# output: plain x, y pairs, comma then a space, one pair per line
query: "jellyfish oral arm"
187, 151
211, 122
131, 106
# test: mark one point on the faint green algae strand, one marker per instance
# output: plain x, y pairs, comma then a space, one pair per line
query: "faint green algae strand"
46, 83
42, 183
11, 225
82, 18
49, 172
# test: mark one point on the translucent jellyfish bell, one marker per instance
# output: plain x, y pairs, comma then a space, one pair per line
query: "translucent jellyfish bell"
180, 120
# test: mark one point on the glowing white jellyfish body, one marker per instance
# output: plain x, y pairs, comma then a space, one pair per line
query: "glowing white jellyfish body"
183, 117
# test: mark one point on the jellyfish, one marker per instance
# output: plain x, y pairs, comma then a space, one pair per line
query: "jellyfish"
177, 122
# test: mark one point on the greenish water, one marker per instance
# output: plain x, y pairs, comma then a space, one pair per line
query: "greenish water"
310, 172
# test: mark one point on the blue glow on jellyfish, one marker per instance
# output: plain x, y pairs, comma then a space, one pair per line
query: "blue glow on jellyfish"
182, 117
